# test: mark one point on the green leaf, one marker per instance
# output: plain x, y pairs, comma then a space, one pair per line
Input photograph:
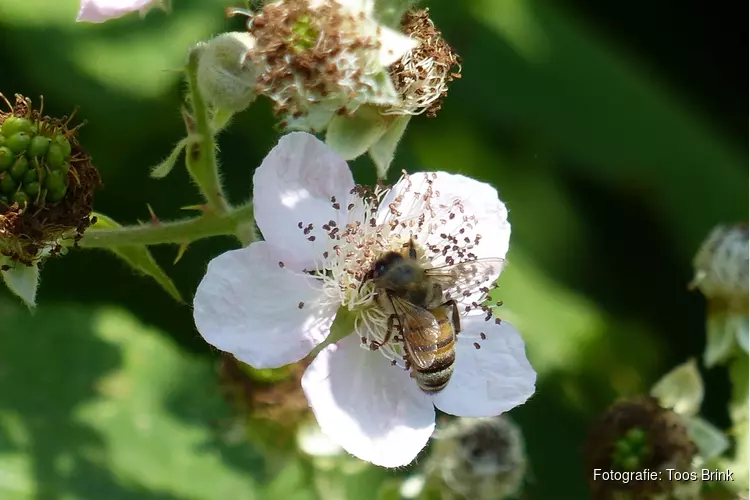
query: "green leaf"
95, 405
352, 136
162, 169
138, 257
681, 389
383, 151
22, 280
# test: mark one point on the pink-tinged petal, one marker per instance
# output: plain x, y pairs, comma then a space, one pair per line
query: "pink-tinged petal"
294, 185
492, 379
265, 315
370, 408
98, 11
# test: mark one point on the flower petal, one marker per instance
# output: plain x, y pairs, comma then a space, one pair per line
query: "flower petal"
490, 380
21, 280
372, 409
295, 184
393, 45
98, 11
463, 197
265, 315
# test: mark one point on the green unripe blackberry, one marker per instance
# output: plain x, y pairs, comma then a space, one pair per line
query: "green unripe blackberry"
18, 142
7, 183
55, 156
64, 143
32, 188
6, 158
19, 168
65, 168
55, 196
36, 174
38, 147
21, 198
2, 140
56, 181
15, 124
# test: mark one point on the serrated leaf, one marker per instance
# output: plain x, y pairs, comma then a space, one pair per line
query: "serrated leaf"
383, 151
21, 280
162, 169
681, 389
96, 406
138, 257
352, 136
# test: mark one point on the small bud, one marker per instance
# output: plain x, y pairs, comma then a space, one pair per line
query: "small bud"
478, 458
721, 273
635, 435
226, 75
44, 202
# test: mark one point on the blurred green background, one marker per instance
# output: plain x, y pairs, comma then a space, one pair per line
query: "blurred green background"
615, 133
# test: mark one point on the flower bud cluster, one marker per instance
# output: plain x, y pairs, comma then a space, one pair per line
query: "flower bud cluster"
46, 182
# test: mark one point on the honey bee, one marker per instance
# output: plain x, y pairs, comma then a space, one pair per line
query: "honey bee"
422, 305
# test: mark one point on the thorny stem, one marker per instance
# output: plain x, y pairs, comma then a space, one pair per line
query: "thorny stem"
200, 155
232, 222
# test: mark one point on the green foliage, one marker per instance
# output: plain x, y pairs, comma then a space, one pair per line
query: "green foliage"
138, 257
96, 405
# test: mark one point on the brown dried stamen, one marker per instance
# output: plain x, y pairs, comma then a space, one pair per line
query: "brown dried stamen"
422, 75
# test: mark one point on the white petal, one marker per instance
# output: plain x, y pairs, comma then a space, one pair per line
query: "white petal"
490, 380
393, 45
372, 409
293, 185
21, 280
477, 199
98, 11
249, 306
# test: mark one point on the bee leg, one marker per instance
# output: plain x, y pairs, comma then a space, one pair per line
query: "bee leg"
412, 249
388, 333
456, 315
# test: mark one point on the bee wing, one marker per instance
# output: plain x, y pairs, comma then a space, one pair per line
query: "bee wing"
420, 330
471, 275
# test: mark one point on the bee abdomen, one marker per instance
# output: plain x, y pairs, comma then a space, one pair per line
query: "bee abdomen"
434, 379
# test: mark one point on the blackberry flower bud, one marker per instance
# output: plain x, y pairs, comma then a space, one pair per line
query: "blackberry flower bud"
226, 76
422, 74
478, 458
637, 435
321, 58
721, 273
46, 184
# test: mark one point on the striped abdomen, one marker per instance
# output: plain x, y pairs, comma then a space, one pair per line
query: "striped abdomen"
435, 377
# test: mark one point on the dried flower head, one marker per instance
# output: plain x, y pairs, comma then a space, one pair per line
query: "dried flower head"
47, 183
721, 273
634, 435
318, 58
478, 458
422, 74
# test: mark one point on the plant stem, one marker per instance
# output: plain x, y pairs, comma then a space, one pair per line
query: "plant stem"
200, 154
183, 231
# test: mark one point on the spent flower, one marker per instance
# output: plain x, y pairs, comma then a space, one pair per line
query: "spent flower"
478, 458
638, 434
272, 303
320, 58
721, 273
47, 183
98, 11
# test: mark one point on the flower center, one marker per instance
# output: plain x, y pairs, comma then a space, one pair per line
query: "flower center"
379, 221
